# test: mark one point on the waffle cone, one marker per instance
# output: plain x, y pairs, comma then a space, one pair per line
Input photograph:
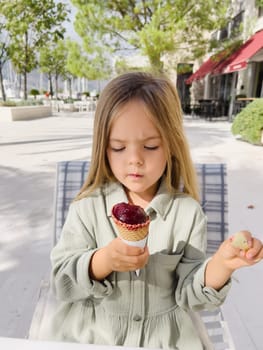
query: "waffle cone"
132, 232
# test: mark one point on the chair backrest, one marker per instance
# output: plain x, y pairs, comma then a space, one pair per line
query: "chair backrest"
213, 197
70, 176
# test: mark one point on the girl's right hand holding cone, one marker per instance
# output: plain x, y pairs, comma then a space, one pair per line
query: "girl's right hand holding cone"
117, 256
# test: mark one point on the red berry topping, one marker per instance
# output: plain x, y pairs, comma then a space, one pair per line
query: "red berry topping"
129, 213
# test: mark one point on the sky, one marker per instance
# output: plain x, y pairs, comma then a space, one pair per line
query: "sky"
69, 25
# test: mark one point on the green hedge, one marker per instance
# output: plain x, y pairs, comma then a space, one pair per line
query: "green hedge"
10, 103
248, 124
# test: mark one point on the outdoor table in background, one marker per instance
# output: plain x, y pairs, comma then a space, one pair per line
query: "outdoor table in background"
241, 103
86, 105
210, 108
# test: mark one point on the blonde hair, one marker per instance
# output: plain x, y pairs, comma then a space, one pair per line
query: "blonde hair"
161, 99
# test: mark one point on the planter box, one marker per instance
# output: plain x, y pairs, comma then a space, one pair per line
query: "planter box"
25, 112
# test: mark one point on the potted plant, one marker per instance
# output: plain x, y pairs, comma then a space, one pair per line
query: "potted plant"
34, 92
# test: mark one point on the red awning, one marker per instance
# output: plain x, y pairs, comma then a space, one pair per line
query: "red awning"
239, 59
206, 68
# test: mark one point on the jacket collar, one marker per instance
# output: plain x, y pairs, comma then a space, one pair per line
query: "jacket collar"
160, 204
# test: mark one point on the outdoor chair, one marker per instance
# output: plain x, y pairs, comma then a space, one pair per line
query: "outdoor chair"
213, 193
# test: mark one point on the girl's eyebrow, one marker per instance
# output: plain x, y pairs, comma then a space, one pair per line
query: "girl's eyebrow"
146, 139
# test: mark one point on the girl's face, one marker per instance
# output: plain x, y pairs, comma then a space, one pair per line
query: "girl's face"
135, 152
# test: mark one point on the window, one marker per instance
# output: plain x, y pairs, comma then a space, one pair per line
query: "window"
236, 24
223, 33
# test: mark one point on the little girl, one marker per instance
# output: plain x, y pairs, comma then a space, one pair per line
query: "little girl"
140, 155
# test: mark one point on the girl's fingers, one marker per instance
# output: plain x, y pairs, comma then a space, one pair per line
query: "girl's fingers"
256, 252
240, 255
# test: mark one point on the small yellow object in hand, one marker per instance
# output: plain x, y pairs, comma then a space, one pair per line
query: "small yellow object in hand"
241, 240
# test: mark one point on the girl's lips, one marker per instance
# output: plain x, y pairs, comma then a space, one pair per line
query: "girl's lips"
135, 175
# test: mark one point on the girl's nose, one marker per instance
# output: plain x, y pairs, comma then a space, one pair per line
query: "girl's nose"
136, 158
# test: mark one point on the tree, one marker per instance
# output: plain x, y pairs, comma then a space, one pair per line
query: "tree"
152, 27
3, 54
90, 64
34, 92
53, 59
122, 65
36, 22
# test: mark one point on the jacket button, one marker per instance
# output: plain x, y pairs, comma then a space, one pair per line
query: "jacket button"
137, 318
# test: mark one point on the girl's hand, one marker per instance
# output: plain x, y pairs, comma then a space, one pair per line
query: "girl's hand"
122, 257
241, 250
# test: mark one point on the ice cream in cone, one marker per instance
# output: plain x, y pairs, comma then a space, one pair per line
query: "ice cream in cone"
132, 223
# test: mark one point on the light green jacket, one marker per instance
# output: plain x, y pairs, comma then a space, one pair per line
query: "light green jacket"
146, 311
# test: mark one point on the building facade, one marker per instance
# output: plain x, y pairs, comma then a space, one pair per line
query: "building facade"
233, 78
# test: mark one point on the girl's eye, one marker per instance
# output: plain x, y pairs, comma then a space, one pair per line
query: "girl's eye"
115, 149
151, 148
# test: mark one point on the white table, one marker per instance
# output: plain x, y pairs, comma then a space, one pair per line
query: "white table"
25, 344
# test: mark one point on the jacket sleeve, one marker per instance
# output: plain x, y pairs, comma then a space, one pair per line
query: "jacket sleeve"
70, 260
191, 291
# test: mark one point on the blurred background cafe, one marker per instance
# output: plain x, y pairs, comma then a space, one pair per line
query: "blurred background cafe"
230, 79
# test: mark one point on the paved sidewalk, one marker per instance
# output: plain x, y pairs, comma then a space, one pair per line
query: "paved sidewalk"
29, 152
